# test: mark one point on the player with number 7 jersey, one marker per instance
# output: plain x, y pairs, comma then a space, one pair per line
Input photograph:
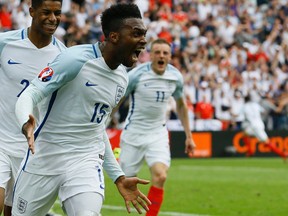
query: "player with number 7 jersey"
21, 58
20, 62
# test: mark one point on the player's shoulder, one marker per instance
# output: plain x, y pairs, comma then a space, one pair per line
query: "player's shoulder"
173, 72
83, 52
172, 69
79, 48
14, 35
59, 44
142, 68
11, 37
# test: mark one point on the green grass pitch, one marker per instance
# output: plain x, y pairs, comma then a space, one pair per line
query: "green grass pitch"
215, 187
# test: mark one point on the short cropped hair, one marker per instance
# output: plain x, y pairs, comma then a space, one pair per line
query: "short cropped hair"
37, 3
160, 41
113, 17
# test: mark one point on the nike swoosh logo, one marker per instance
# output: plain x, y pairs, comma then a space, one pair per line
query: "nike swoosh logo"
12, 62
90, 84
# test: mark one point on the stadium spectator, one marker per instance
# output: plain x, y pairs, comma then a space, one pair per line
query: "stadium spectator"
145, 136
86, 82
222, 104
26, 51
204, 93
5, 18
204, 109
20, 15
282, 108
179, 15
237, 116
226, 32
204, 8
165, 34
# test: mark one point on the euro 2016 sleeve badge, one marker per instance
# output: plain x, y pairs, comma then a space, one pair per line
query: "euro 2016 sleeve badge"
46, 74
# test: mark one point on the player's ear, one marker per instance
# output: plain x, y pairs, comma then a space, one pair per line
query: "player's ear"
31, 11
114, 37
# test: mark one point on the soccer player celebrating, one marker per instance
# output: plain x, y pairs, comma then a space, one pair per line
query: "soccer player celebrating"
23, 53
145, 135
253, 126
71, 145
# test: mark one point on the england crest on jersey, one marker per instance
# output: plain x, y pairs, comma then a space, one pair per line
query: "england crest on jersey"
46, 74
119, 93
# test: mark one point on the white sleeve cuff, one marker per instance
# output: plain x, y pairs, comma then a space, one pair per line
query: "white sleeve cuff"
111, 165
26, 102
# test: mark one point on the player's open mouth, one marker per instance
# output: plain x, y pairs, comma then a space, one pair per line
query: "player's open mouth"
160, 62
136, 54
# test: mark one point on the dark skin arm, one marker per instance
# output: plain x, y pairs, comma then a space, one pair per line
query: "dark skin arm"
28, 131
127, 187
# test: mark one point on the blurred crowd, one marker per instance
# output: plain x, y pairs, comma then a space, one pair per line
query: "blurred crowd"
225, 49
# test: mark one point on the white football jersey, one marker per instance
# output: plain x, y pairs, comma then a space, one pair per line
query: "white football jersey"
84, 92
252, 112
149, 95
20, 62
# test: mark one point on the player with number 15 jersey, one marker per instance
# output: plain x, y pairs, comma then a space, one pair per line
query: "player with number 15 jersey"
83, 96
70, 146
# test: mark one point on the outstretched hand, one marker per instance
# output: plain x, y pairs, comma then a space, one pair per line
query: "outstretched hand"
28, 131
189, 146
131, 194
